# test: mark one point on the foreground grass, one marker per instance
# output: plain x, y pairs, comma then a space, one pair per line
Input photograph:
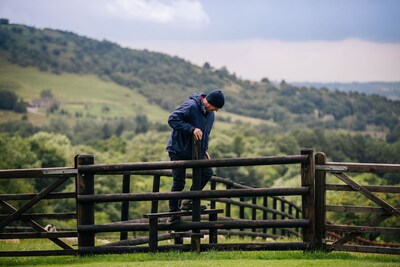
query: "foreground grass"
186, 259
211, 258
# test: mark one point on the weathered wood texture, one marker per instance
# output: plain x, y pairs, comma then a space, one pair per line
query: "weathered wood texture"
308, 201
384, 210
126, 167
367, 167
85, 211
185, 226
320, 203
193, 194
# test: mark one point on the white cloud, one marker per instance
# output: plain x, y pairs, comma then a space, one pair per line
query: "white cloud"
317, 61
159, 11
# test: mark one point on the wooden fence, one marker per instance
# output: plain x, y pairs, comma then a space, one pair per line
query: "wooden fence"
347, 236
278, 216
86, 199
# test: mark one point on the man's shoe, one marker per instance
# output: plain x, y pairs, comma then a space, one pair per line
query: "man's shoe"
174, 220
188, 205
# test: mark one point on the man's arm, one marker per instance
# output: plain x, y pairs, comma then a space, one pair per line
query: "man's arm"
178, 120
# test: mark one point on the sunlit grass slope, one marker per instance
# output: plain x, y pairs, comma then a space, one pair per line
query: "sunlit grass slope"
87, 94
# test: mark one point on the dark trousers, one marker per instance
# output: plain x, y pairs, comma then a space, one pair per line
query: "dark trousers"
179, 181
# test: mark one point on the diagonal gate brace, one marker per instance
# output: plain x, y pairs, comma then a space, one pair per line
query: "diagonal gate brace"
35, 225
32, 202
383, 204
390, 210
374, 222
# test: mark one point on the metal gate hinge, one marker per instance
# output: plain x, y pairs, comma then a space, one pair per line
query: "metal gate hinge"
67, 171
331, 168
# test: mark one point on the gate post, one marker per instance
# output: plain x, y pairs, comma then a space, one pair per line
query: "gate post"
126, 184
196, 186
85, 211
308, 201
320, 201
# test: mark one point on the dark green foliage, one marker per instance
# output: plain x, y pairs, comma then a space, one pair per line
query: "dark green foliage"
48, 157
142, 124
4, 21
394, 134
9, 101
46, 93
22, 128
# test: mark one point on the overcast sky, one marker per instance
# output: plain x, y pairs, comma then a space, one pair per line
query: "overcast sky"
295, 40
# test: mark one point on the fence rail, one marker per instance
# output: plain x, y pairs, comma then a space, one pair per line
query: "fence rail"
127, 167
279, 214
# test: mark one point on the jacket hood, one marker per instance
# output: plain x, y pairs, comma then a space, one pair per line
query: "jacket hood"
198, 98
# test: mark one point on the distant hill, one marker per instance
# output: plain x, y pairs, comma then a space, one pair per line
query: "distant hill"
165, 81
390, 90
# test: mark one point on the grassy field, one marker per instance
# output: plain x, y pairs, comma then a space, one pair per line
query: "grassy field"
211, 258
185, 259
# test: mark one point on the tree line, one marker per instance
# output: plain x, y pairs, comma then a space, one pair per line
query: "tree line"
166, 81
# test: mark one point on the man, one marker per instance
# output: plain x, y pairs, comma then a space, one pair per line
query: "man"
193, 119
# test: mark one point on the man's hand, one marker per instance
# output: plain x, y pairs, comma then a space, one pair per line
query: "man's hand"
207, 155
198, 134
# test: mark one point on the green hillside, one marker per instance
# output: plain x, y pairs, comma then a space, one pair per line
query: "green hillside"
86, 95
166, 81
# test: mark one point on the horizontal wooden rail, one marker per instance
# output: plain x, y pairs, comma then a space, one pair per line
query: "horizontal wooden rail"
362, 229
366, 167
168, 236
347, 208
372, 188
186, 226
34, 216
253, 206
242, 186
194, 194
38, 173
30, 196
214, 178
125, 167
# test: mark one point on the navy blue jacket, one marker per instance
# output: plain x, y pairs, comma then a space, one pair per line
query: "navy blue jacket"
190, 115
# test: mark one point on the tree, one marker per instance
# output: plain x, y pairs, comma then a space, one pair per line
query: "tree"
207, 66
142, 124
50, 150
15, 154
8, 99
46, 93
4, 21
265, 80
106, 131
238, 145
394, 134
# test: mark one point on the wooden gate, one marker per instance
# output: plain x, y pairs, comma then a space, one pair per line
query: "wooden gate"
331, 236
27, 201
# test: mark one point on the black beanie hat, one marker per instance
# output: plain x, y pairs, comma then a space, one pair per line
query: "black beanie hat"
216, 98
